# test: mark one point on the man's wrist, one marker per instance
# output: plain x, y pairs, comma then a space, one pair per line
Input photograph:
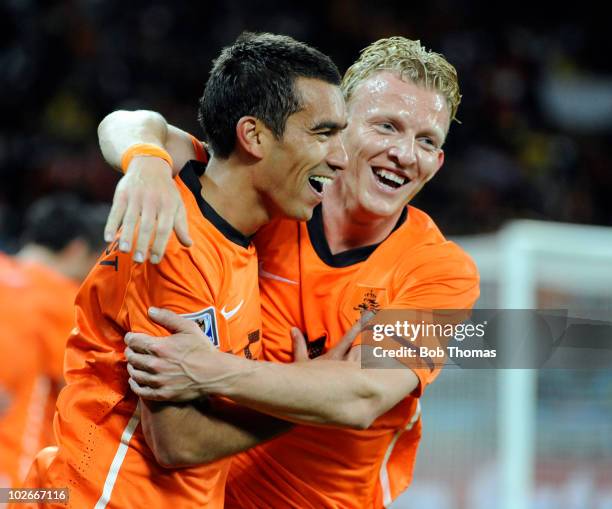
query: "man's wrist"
233, 375
144, 164
144, 150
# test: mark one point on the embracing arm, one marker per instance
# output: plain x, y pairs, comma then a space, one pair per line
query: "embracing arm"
338, 393
202, 431
121, 129
146, 192
322, 392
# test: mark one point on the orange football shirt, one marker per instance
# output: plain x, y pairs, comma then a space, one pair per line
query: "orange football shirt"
36, 316
302, 284
103, 457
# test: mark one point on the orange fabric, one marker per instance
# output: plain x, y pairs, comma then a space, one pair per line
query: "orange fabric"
37, 477
319, 468
55, 295
36, 316
96, 410
198, 147
144, 149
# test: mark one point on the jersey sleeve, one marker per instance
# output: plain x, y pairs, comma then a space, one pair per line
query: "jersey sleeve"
443, 277
199, 149
177, 285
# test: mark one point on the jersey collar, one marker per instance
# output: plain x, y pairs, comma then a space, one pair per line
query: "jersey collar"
190, 176
316, 233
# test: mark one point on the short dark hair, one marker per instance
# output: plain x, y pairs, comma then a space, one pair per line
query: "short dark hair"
56, 220
256, 76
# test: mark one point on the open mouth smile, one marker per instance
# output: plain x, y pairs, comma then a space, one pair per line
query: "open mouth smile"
389, 179
318, 183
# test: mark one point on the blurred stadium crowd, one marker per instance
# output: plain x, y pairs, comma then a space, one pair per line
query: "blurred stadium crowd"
536, 114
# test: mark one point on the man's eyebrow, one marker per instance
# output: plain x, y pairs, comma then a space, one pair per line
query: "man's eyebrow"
329, 124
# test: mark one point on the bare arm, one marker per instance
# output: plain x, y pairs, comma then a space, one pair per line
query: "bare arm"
326, 392
336, 393
146, 191
121, 129
209, 430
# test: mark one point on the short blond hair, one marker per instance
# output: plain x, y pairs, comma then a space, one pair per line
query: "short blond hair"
410, 61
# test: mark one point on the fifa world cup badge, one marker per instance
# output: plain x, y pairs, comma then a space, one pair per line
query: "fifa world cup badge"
207, 321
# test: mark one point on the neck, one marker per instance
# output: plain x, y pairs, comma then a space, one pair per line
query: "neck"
37, 254
41, 255
227, 187
348, 226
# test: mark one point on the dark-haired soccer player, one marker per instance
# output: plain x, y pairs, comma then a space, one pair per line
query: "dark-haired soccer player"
276, 110
60, 243
363, 248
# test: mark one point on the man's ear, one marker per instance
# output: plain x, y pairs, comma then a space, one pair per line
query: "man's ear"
251, 135
440, 159
75, 249
440, 163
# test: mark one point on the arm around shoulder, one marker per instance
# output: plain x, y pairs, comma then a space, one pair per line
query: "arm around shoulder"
200, 432
122, 129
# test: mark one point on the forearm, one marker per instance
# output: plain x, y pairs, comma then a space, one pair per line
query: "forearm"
208, 431
337, 393
121, 129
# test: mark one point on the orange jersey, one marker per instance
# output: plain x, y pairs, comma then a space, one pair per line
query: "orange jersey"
36, 316
103, 457
302, 284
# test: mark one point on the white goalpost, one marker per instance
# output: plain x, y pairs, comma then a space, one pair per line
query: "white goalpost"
530, 254
523, 438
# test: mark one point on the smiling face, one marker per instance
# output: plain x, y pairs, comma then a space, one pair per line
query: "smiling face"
394, 142
309, 153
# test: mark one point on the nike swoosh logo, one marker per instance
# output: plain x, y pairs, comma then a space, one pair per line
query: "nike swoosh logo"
228, 314
269, 275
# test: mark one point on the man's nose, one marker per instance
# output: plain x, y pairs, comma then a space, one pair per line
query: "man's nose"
403, 152
337, 157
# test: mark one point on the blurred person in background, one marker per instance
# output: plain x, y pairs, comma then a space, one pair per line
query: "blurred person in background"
60, 243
